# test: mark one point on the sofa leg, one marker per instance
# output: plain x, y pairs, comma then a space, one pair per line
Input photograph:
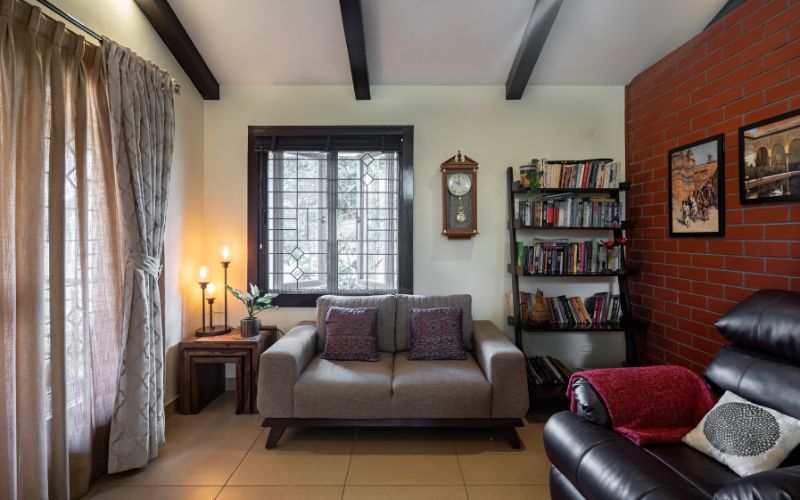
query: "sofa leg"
513, 438
275, 434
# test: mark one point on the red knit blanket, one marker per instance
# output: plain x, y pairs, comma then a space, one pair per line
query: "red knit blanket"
651, 404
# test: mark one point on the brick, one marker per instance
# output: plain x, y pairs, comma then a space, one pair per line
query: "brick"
692, 273
782, 231
757, 281
742, 106
745, 232
707, 119
767, 249
795, 250
694, 246
725, 277
719, 306
705, 345
765, 46
784, 267
766, 214
764, 80
707, 289
725, 247
766, 112
665, 319
665, 294
747, 264
678, 284
784, 90
737, 294
707, 261
692, 326
705, 317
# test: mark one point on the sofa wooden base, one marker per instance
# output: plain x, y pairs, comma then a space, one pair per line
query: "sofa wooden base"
505, 426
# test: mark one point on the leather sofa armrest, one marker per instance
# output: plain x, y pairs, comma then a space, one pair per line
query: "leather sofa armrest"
504, 366
281, 366
588, 403
781, 483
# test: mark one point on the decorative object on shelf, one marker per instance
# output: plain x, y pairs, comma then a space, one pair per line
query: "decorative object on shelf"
621, 241
530, 176
539, 312
255, 301
697, 188
459, 197
769, 159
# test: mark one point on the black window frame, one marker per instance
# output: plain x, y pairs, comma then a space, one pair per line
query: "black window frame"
327, 137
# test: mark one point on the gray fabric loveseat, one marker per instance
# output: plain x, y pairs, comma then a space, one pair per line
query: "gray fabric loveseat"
297, 388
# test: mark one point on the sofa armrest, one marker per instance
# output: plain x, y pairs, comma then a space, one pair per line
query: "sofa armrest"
504, 367
588, 404
781, 483
281, 366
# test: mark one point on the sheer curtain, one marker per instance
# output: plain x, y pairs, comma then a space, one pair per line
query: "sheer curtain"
61, 261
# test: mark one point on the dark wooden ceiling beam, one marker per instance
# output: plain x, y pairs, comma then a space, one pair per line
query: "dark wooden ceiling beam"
542, 18
172, 32
353, 23
725, 10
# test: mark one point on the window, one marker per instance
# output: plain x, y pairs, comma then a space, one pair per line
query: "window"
330, 211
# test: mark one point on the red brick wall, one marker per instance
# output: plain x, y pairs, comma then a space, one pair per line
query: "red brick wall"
742, 69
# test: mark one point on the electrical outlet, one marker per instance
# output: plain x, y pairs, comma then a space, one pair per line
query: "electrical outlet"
585, 348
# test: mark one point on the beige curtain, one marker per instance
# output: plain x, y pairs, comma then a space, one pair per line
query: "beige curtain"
143, 129
60, 263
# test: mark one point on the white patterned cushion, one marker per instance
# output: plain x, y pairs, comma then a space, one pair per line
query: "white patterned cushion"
746, 437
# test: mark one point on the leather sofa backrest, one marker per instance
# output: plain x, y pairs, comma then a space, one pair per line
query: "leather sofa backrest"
758, 377
767, 321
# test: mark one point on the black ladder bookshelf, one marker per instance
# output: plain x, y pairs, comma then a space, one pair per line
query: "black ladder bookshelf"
522, 325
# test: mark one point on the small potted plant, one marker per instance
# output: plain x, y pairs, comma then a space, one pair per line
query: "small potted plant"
530, 176
255, 302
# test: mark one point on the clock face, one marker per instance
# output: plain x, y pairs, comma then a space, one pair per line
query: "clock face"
459, 184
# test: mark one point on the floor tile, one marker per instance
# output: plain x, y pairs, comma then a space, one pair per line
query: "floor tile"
395, 457
512, 467
281, 493
302, 457
404, 493
471, 441
184, 466
154, 493
521, 492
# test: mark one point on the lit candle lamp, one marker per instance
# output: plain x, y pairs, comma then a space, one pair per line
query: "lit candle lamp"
211, 291
210, 296
225, 260
225, 255
203, 272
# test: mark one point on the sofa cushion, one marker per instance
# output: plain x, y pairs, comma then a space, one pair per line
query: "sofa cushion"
436, 334
344, 389
386, 316
351, 334
746, 437
407, 302
439, 389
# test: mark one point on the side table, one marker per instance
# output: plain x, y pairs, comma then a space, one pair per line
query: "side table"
201, 369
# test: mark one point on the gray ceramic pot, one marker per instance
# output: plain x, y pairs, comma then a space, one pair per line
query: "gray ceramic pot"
249, 326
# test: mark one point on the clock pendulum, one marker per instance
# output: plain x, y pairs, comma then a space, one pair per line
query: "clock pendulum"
460, 216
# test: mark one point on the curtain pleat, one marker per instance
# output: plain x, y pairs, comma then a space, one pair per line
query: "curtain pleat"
142, 127
60, 259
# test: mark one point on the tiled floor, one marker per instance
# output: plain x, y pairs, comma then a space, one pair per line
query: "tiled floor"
219, 455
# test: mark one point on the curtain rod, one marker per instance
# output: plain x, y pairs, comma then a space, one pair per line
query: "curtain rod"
71, 19
85, 28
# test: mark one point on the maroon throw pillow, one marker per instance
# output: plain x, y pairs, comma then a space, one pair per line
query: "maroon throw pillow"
351, 334
436, 334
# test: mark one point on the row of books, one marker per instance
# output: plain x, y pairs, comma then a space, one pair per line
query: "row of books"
569, 211
547, 370
582, 175
563, 256
598, 309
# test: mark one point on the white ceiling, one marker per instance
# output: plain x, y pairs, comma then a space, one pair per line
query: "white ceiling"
436, 42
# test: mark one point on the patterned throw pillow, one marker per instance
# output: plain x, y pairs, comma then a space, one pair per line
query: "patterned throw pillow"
436, 334
746, 437
351, 334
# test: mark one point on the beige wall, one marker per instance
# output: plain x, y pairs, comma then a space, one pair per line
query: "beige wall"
122, 21
555, 122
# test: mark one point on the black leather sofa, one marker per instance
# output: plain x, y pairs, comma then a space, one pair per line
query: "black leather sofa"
762, 364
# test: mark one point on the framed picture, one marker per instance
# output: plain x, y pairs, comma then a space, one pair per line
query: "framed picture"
697, 188
769, 159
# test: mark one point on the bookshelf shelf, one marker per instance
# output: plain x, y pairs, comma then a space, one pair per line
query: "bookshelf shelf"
623, 225
547, 392
606, 274
623, 186
554, 327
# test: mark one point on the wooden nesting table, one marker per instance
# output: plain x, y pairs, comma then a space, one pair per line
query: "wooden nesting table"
201, 369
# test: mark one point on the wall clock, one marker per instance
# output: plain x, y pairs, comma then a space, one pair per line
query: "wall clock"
459, 197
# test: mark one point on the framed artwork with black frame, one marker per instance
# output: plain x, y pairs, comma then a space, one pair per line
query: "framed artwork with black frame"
769, 159
697, 188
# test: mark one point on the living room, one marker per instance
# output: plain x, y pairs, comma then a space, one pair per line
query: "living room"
516, 249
